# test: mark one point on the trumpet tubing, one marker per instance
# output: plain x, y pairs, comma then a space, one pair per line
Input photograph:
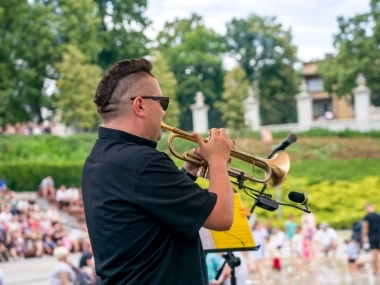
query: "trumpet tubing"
276, 168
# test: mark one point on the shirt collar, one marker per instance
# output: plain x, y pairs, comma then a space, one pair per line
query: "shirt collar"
112, 134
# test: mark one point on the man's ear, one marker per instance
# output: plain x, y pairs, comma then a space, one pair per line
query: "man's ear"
139, 106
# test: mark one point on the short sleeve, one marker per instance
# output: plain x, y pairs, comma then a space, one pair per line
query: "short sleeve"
173, 198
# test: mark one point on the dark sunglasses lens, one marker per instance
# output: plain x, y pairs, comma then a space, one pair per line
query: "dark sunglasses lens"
165, 104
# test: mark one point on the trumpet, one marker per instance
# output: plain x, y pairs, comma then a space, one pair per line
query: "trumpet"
276, 168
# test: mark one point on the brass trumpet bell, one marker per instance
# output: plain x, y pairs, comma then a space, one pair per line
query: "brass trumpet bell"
276, 168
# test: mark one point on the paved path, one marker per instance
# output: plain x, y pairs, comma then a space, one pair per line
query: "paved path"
35, 271
30, 271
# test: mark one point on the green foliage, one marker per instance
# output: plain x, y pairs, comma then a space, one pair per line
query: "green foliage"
76, 88
358, 44
263, 48
45, 148
231, 107
194, 54
340, 203
36, 39
168, 84
335, 170
337, 189
122, 32
27, 175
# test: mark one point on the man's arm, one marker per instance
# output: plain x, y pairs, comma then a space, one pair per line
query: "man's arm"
365, 231
217, 154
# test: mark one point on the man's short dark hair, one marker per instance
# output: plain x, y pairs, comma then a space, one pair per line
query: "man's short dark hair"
117, 81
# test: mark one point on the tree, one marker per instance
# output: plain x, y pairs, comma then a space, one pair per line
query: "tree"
44, 29
264, 49
358, 45
123, 26
168, 84
236, 86
194, 54
76, 88
11, 14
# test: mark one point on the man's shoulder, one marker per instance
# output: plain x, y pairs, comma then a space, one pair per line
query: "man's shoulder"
370, 216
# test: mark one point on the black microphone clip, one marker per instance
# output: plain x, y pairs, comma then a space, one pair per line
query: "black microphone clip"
266, 203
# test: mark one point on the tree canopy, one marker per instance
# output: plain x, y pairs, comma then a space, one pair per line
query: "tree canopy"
358, 45
38, 38
264, 50
194, 54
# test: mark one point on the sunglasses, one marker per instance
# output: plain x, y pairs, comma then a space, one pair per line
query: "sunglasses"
164, 101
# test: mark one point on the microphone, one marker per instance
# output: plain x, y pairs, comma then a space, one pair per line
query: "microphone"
291, 138
298, 197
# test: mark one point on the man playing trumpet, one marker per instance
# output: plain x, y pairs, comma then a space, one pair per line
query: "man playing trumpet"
143, 213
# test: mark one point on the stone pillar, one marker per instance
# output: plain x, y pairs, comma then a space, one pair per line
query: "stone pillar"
304, 107
362, 95
200, 114
252, 111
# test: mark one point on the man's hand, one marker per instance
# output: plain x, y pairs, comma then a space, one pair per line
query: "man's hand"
217, 149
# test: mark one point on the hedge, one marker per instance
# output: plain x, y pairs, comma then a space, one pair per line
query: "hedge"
26, 176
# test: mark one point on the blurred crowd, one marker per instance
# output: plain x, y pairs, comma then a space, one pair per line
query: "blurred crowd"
28, 128
303, 244
26, 230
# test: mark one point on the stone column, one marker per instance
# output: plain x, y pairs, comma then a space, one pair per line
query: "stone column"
200, 114
252, 111
304, 107
362, 96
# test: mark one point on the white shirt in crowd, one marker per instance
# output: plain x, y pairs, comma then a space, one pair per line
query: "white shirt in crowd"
325, 236
279, 238
72, 193
61, 195
5, 217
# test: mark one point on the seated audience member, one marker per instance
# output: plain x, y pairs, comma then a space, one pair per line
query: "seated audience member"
48, 244
22, 206
73, 195
76, 236
87, 265
52, 214
326, 238
62, 272
6, 215
3, 249
47, 188
32, 200
62, 197
3, 184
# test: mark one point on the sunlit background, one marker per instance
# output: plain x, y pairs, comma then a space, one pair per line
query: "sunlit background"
262, 69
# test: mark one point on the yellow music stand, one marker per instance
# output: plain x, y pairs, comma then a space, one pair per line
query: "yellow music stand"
238, 238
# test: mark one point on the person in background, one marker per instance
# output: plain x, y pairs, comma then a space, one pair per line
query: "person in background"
371, 233
352, 250
256, 257
356, 234
214, 263
327, 239
279, 238
290, 229
47, 188
140, 208
62, 272
3, 184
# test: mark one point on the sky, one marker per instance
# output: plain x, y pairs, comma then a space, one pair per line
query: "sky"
312, 22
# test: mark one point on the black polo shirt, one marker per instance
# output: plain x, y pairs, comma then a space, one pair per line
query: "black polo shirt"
143, 214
